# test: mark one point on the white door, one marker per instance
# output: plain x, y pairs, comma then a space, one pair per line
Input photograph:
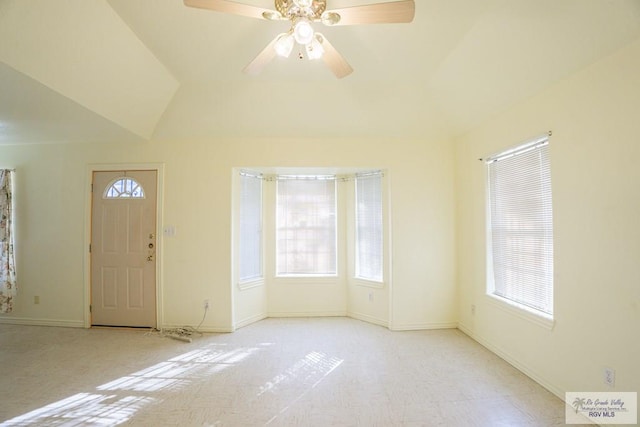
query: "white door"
123, 248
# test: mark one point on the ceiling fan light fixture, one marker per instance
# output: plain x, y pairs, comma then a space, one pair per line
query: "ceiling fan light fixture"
284, 45
301, 14
303, 32
314, 49
272, 15
330, 18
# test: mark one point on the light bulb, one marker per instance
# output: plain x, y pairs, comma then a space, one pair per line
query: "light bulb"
314, 49
284, 45
303, 32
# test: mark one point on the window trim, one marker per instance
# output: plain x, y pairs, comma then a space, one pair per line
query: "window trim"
368, 281
248, 284
308, 280
521, 311
345, 211
254, 281
127, 195
336, 213
513, 307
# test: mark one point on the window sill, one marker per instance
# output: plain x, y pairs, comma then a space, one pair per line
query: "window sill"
251, 284
368, 283
541, 319
307, 280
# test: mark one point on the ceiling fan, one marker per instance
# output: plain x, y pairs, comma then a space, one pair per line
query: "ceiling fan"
301, 13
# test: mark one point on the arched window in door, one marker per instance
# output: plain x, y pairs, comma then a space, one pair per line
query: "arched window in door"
124, 188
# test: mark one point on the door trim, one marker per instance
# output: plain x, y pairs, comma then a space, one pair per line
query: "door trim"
159, 168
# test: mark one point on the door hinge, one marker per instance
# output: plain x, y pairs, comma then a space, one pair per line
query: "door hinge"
92, 187
90, 308
89, 247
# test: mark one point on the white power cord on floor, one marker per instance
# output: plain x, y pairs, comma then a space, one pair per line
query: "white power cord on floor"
184, 333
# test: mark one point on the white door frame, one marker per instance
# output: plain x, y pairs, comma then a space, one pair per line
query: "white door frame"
159, 168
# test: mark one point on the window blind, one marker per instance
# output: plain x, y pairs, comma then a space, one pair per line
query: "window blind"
306, 226
250, 244
521, 225
369, 244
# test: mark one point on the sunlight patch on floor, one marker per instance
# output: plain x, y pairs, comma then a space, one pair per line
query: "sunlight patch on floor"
309, 371
82, 409
105, 408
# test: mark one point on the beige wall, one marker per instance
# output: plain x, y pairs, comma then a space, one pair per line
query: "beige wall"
51, 197
595, 149
594, 152
343, 295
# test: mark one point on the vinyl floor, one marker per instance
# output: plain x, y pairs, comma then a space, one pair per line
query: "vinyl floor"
276, 372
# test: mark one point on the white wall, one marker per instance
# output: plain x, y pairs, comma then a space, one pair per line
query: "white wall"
343, 295
595, 150
51, 196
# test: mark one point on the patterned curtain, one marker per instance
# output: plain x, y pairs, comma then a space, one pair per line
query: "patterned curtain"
7, 260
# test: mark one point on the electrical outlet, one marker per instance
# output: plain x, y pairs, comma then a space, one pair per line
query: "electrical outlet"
370, 296
473, 309
36, 299
206, 304
609, 377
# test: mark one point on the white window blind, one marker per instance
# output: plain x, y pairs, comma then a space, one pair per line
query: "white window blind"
521, 225
306, 226
250, 244
369, 245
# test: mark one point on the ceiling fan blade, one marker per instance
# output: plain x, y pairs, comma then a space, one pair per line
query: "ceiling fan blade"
231, 7
396, 12
263, 58
336, 62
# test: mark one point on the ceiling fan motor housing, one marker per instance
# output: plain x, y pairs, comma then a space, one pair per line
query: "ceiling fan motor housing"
290, 9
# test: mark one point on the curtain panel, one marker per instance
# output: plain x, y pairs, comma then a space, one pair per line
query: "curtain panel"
7, 260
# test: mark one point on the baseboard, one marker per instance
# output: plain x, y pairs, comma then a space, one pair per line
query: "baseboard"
422, 326
206, 329
369, 319
307, 314
467, 331
249, 320
527, 370
80, 324
42, 322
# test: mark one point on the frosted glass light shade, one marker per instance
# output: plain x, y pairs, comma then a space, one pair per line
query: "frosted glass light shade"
314, 49
284, 45
303, 32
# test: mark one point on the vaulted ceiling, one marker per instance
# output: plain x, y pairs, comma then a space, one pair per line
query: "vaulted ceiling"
137, 70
